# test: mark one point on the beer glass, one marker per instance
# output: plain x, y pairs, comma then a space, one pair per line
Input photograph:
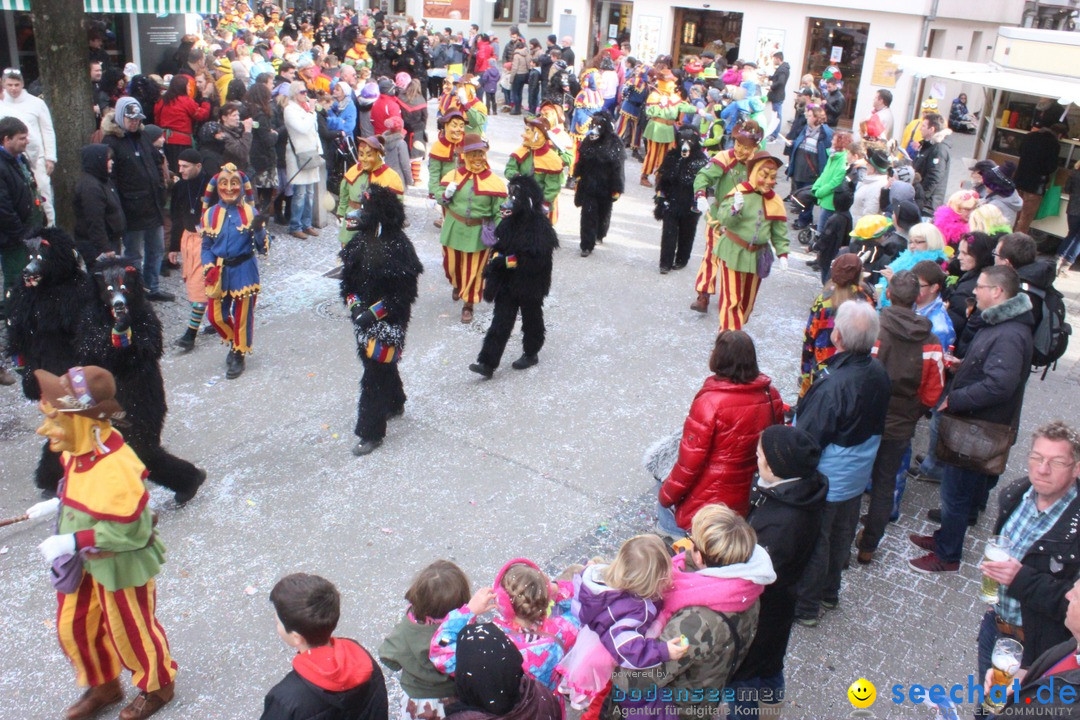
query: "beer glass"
997, 550
1006, 661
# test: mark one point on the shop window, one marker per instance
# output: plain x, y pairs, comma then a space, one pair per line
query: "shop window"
539, 11
399, 7
839, 43
701, 30
504, 11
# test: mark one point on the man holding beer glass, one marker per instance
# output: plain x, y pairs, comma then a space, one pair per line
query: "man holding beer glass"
1037, 522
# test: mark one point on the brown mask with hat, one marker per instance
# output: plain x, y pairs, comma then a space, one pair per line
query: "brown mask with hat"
762, 168
474, 151
536, 132
747, 137
369, 153
453, 125
82, 392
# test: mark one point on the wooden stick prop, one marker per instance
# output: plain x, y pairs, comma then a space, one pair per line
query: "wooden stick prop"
12, 521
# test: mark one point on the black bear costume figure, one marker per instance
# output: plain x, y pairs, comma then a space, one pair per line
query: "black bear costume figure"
675, 204
599, 179
518, 276
121, 333
379, 285
43, 323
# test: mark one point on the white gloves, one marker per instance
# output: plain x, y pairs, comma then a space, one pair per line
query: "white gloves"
558, 140
703, 204
56, 545
43, 508
783, 264
736, 202
450, 190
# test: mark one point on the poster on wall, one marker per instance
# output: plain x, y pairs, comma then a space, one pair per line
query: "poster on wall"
769, 41
885, 69
447, 9
837, 54
647, 37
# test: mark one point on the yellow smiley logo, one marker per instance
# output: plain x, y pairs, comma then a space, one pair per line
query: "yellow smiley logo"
862, 693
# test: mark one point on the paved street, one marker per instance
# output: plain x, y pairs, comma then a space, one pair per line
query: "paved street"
544, 464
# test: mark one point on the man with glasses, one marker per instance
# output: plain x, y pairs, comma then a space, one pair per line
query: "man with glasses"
1039, 514
989, 385
34, 113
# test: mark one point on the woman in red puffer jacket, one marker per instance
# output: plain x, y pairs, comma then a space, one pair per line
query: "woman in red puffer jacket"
178, 114
718, 452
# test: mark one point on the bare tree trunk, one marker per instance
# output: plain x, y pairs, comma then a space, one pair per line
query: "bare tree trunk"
64, 58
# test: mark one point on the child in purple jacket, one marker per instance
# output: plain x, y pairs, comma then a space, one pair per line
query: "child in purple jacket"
489, 81
617, 604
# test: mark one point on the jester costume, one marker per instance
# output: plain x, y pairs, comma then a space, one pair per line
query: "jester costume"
107, 620
471, 196
472, 107
663, 108
635, 92
725, 170
368, 170
231, 235
749, 221
379, 287
539, 160
445, 153
561, 140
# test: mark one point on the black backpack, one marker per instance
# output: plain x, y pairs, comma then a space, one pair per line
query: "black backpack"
1051, 336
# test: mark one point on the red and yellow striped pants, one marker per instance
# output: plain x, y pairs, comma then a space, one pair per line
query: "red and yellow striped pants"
99, 630
554, 214
465, 271
654, 155
706, 274
737, 294
234, 320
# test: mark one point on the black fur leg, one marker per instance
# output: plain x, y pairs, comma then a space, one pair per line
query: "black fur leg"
604, 221
590, 217
687, 232
532, 327
49, 471
381, 395
502, 324
171, 472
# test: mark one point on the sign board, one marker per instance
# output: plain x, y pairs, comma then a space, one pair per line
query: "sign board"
837, 54
769, 41
884, 74
646, 37
159, 37
447, 9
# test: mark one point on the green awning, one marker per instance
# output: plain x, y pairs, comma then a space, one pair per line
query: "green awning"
150, 7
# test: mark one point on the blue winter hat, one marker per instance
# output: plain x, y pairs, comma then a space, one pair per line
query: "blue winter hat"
128, 108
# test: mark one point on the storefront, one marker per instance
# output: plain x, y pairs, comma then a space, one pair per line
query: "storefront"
1032, 73
841, 44
696, 31
610, 22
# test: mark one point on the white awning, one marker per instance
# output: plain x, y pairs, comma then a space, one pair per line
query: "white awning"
937, 67
1064, 90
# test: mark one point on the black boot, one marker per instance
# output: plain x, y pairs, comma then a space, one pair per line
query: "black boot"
481, 369
525, 361
234, 365
279, 211
365, 447
182, 496
186, 342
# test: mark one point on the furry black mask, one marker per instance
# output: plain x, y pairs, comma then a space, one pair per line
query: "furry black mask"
53, 259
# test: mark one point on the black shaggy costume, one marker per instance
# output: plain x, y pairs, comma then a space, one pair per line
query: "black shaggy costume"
518, 275
43, 323
675, 198
379, 285
600, 179
121, 333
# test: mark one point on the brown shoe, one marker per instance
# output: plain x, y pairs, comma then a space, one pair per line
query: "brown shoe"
438, 222
7, 377
96, 699
645, 181
701, 304
299, 235
312, 232
467, 313
454, 295
146, 704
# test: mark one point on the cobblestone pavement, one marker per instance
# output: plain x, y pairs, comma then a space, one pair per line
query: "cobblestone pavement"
544, 464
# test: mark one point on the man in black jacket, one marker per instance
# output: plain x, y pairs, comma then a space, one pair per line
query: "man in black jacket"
1038, 159
1038, 513
778, 83
1018, 251
835, 102
932, 163
989, 385
99, 219
1054, 676
20, 204
139, 182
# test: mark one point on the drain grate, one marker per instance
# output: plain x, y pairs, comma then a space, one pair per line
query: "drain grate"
331, 310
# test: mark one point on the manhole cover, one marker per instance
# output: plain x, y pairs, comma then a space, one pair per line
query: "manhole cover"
331, 310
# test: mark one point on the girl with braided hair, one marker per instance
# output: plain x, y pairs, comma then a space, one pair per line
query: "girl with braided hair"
533, 611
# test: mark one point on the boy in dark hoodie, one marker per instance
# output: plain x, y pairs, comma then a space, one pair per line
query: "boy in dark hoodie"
185, 241
99, 217
332, 678
836, 232
786, 506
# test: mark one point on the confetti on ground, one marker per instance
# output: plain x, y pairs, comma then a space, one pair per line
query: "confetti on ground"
388, 531
311, 374
250, 590
325, 426
251, 502
212, 381
4, 550
335, 436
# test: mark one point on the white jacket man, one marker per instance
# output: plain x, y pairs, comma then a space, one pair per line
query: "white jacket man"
41, 150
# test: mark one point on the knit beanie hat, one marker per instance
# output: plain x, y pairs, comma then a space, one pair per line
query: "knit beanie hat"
153, 132
846, 270
790, 452
190, 155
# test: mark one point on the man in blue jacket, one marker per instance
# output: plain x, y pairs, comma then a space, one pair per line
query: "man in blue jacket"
844, 411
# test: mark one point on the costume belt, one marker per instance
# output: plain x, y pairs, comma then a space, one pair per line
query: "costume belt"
471, 222
354, 204
239, 259
662, 121
742, 243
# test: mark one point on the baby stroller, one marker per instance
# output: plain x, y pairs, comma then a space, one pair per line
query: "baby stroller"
344, 157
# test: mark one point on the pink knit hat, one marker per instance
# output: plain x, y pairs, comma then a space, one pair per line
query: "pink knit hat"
402, 80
